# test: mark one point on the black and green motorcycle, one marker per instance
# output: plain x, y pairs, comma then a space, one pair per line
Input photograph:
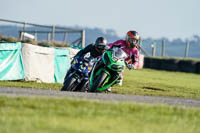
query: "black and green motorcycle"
107, 70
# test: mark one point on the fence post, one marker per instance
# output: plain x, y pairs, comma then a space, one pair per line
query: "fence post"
163, 48
153, 49
83, 38
24, 28
35, 35
53, 33
140, 45
187, 49
48, 36
65, 38
22, 33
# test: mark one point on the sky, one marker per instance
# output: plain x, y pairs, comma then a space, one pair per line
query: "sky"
151, 18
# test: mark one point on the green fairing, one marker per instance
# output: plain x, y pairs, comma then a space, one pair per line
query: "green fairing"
112, 62
109, 66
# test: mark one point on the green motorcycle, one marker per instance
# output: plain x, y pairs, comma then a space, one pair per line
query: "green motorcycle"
107, 69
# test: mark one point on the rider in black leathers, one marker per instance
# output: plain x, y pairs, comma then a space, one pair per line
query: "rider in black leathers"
95, 50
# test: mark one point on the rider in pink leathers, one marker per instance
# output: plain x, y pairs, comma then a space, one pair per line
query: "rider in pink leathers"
130, 46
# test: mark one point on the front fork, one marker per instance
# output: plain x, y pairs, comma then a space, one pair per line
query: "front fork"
71, 70
96, 66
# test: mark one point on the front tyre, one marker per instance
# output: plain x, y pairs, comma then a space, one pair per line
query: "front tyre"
83, 86
98, 82
69, 84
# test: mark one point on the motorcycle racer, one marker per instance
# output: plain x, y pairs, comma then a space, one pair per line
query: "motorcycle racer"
130, 46
95, 49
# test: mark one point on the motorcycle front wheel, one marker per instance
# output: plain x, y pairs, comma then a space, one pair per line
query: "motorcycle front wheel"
83, 86
69, 84
97, 82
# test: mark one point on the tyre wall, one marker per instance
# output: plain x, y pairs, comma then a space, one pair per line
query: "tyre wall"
171, 64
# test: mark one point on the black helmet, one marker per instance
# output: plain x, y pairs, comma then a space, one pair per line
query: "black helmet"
100, 43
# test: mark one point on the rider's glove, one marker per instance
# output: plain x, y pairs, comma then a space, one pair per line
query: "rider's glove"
118, 46
130, 66
96, 59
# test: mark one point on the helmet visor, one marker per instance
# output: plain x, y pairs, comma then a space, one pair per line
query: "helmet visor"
132, 40
101, 47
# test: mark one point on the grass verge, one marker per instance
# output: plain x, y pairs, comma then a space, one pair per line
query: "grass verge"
45, 115
160, 83
140, 82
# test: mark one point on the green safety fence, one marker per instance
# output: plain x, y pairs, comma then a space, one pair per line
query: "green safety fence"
11, 66
76, 47
61, 64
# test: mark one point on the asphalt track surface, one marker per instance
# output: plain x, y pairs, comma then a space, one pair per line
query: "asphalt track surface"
27, 92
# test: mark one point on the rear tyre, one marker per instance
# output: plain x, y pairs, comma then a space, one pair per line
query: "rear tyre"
69, 84
97, 82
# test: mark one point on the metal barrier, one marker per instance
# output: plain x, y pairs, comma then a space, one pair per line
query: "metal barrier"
51, 33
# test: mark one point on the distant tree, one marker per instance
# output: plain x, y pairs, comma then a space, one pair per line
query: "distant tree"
174, 47
111, 32
195, 40
177, 41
